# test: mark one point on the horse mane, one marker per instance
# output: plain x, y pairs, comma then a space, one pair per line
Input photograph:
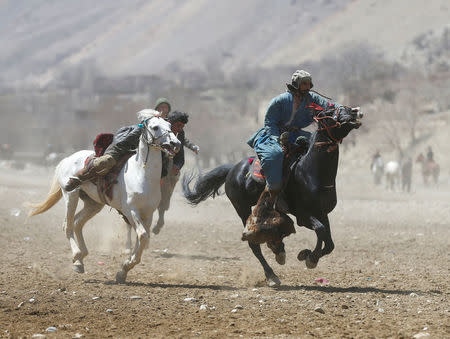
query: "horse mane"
147, 113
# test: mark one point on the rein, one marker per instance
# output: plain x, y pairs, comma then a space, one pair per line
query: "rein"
151, 143
327, 128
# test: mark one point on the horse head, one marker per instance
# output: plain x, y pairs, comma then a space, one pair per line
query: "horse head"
157, 133
337, 122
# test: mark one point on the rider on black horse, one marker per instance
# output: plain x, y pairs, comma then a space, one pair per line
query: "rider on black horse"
290, 111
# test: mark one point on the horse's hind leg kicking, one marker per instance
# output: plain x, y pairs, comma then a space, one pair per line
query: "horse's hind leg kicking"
142, 228
89, 209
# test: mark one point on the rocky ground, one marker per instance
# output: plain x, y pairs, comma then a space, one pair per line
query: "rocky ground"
387, 277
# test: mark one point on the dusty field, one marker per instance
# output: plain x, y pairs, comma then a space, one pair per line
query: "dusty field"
388, 275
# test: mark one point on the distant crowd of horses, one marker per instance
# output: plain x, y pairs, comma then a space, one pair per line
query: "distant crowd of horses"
398, 174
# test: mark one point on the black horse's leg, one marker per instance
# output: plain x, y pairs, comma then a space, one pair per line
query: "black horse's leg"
329, 244
271, 277
322, 229
244, 211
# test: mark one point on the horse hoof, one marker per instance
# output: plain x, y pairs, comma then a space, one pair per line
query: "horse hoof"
121, 277
273, 281
310, 263
79, 268
281, 258
156, 230
302, 255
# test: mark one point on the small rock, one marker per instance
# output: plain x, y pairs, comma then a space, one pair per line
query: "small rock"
412, 294
190, 299
345, 307
21, 304
254, 290
38, 335
421, 335
239, 307
203, 307
381, 310
135, 297
51, 329
77, 335
96, 298
319, 309
234, 296
31, 300
233, 310
109, 310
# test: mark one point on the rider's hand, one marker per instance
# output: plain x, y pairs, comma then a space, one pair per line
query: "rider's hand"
196, 149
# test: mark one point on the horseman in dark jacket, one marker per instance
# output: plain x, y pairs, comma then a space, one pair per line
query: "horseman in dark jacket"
290, 111
172, 166
125, 142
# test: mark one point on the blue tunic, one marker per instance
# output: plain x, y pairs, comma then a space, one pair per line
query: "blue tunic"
279, 117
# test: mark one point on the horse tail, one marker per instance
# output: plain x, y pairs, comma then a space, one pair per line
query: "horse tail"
53, 196
206, 186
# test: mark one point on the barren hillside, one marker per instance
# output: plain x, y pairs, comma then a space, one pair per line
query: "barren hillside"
43, 38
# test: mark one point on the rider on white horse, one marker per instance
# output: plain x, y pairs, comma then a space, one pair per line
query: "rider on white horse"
125, 142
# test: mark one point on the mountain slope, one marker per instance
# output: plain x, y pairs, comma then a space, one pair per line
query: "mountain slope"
43, 38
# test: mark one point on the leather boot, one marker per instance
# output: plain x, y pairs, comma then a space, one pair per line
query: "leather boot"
278, 202
86, 173
94, 168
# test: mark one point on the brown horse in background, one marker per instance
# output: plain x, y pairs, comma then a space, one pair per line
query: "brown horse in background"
429, 168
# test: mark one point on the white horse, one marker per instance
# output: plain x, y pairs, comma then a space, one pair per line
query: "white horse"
135, 196
392, 172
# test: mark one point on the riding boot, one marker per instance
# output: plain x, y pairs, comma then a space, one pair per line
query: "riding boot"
278, 202
98, 167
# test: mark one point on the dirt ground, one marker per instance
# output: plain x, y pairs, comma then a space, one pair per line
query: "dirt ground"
388, 276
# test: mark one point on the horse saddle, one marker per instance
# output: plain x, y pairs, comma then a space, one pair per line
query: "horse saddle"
292, 155
105, 183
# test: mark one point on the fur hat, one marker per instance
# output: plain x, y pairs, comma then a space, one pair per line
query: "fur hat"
297, 78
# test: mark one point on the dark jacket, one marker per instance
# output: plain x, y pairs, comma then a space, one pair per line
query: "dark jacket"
126, 141
178, 159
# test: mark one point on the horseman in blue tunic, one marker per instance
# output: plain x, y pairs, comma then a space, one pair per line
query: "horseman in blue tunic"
290, 111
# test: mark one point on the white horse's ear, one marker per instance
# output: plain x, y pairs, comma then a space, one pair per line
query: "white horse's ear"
146, 114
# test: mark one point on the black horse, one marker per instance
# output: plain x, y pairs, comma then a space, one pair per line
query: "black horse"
310, 190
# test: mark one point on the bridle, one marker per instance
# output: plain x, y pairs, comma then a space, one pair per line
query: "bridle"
324, 127
151, 143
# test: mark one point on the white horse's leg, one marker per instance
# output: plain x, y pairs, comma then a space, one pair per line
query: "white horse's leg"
71, 199
90, 209
128, 243
160, 223
142, 228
